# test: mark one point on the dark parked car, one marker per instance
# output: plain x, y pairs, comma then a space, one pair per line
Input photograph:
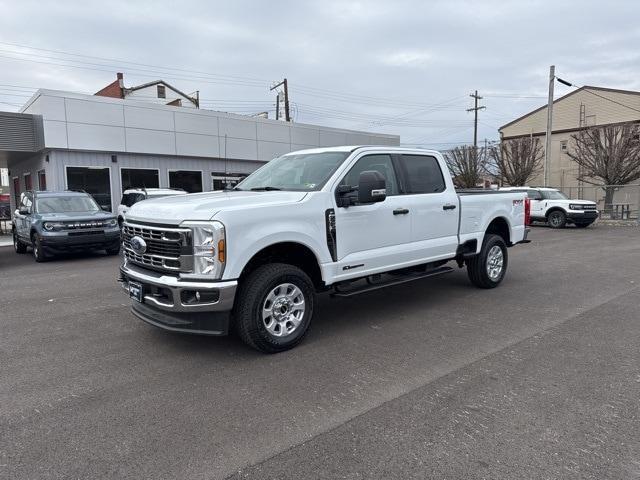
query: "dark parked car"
57, 222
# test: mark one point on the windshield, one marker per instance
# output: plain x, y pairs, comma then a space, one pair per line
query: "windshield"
305, 171
554, 195
66, 204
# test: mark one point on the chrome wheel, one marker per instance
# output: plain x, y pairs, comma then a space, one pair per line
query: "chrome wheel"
495, 263
283, 310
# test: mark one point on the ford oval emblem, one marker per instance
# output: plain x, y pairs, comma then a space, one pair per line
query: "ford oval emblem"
138, 245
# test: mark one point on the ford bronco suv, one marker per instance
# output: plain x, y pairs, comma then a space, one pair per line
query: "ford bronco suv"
57, 222
344, 219
552, 206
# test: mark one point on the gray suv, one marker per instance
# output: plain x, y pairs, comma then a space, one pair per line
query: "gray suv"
57, 222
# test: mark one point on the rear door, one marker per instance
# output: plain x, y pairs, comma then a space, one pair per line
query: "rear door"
433, 206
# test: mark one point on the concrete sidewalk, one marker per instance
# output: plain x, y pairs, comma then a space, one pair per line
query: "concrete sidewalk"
6, 240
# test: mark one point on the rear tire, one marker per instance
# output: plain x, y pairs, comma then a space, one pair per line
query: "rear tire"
488, 268
18, 245
557, 219
274, 307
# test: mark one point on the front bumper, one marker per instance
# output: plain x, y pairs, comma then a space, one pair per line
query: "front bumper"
582, 216
170, 303
86, 240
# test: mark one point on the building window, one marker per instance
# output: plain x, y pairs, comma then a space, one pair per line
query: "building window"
563, 145
42, 180
28, 184
139, 178
188, 180
220, 181
162, 91
96, 181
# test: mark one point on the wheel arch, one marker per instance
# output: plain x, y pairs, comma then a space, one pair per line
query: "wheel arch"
500, 226
554, 209
289, 252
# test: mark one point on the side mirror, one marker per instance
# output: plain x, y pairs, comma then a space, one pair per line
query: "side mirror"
372, 187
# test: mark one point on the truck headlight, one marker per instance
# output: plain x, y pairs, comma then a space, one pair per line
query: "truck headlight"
573, 206
209, 248
52, 226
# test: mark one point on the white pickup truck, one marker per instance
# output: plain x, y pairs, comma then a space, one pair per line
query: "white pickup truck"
343, 219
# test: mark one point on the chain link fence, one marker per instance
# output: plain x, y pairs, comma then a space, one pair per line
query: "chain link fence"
615, 202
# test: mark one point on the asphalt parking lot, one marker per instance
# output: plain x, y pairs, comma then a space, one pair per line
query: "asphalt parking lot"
539, 378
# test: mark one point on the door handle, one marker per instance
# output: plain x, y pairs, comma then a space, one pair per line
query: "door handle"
449, 207
401, 211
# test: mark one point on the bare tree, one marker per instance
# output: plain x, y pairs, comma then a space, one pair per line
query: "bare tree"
608, 155
518, 160
467, 165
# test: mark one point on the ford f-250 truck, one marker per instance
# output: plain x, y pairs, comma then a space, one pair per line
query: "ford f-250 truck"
344, 219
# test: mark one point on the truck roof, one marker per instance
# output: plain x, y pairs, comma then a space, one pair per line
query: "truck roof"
163, 191
352, 148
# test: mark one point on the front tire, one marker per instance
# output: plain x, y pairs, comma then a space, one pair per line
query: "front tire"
488, 268
274, 307
113, 251
38, 252
557, 219
18, 246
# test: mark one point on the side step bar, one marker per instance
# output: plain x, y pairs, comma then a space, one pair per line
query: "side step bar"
410, 277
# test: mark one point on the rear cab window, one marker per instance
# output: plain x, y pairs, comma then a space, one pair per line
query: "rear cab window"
422, 174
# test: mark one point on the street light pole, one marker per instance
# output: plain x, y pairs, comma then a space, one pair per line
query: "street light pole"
547, 146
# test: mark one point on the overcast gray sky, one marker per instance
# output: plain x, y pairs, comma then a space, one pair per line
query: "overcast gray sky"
404, 67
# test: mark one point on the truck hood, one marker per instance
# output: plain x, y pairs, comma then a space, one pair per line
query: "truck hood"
203, 206
71, 216
567, 202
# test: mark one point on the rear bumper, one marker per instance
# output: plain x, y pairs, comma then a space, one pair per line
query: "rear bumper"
171, 304
526, 234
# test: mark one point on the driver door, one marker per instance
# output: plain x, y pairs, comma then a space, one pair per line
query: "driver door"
370, 237
22, 220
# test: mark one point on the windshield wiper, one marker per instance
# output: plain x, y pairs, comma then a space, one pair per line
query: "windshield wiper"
264, 189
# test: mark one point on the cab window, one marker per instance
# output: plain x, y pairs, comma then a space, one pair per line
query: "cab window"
379, 163
422, 174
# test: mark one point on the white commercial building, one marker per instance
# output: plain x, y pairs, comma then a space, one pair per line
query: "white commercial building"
62, 140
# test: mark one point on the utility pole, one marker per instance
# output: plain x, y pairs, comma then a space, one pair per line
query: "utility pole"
547, 144
287, 117
475, 121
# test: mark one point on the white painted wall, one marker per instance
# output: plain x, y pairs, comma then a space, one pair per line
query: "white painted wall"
86, 122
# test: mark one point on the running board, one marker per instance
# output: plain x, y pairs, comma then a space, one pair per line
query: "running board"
376, 286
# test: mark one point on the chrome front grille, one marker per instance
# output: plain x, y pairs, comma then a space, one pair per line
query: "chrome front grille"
167, 249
